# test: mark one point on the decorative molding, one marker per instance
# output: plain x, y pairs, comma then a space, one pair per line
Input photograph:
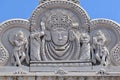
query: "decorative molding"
41, 9
14, 22
61, 71
102, 72
74, 1
20, 71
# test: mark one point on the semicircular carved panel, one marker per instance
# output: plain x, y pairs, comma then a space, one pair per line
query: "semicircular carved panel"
56, 27
8, 31
71, 9
111, 32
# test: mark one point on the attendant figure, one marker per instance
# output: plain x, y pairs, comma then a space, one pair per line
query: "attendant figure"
99, 49
36, 44
85, 46
20, 48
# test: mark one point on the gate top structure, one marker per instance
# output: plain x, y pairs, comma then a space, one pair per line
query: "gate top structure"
59, 39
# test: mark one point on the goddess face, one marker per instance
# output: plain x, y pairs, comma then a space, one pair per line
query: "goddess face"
59, 36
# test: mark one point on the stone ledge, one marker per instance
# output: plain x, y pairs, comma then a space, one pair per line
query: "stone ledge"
60, 71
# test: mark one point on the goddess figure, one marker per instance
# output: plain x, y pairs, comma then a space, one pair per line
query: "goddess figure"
60, 41
20, 48
57, 40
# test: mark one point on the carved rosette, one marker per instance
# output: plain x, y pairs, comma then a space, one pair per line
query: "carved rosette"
4, 55
116, 54
7, 30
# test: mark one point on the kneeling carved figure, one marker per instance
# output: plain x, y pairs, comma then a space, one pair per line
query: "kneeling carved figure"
100, 51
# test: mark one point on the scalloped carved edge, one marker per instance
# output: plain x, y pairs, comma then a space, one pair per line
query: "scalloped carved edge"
79, 9
94, 22
6, 24
74, 1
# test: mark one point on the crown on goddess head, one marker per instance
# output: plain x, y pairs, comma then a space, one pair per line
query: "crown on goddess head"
59, 20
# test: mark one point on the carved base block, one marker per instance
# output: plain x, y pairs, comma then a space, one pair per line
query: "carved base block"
60, 71
59, 78
73, 66
17, 78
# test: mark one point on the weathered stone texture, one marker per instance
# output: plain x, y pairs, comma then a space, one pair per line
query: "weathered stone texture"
59, 42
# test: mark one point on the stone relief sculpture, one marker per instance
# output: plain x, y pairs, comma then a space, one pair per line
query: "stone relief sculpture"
85, 46
59, 39
36, 42
59, 42
100, 50
20, 51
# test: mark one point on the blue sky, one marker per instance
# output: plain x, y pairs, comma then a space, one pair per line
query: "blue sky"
109, 9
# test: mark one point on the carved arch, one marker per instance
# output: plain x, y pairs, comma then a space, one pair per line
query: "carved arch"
37, 14
6, 28
111, 30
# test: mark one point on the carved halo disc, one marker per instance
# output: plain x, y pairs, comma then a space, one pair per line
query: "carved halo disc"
74, 10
